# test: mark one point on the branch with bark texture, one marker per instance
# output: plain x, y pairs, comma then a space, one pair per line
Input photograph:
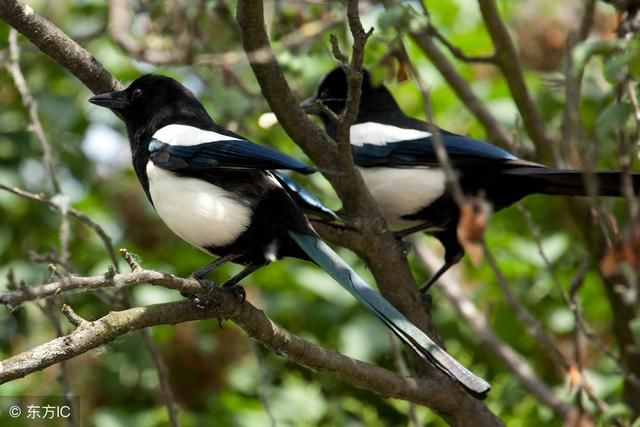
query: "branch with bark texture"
55, 43
221, 304
385, 255
423, 37
517, 365
509, 63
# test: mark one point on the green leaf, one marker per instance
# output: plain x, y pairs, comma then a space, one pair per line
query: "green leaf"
616, 410
616, 66
395, 15
612, 118
583, 52
634, 325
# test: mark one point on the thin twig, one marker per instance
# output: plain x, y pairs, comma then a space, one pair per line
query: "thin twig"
35, 126
441, 152
515, 362
401, 367
263, 384
509, 63
13, 66
72, 317
583, 386
537, 237
532, 325
496, 132
106, 240
50, 308
457, 52
163, 376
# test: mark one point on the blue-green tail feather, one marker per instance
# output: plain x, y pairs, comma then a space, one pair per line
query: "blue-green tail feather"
326, 258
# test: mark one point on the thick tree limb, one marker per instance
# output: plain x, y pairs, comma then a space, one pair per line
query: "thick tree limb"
383, 254
225, 304
52, 41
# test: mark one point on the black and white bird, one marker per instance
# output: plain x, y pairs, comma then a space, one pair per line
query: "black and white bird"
396, 157
215, 189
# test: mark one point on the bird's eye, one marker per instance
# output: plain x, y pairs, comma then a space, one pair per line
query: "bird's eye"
137, 93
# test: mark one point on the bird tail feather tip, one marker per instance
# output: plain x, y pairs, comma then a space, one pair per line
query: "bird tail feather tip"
417, 340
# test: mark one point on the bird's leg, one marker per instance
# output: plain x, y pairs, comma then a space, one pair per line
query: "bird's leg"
447, 265
202, 271
404, 233
453, 253
233, 281
199, 273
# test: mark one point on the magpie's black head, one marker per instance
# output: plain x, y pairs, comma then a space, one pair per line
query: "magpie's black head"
151, 102
332, 92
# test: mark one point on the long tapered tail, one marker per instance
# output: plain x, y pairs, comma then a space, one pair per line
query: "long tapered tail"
326, 258
573, 183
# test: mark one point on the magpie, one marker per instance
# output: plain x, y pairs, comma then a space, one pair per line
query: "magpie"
396, 157
216, 190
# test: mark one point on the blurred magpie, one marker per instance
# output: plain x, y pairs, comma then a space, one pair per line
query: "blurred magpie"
396, 158
215, 189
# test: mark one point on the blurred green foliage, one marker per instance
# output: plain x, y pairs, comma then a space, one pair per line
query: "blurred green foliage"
218, 374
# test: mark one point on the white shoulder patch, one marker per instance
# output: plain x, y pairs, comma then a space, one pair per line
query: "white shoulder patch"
187, 135
380, 134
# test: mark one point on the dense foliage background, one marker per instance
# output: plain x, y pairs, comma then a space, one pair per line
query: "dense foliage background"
218, 375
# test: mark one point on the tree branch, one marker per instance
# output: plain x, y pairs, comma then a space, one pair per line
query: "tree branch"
383, 253
495, 131
106, 240
53, 42
507, 59
223, 304
519, 366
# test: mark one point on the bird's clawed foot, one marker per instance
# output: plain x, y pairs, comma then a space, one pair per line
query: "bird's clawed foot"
207, 285
200, 300
427, 301
237, 290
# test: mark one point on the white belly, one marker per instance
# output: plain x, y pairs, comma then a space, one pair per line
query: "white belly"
199, 212
403, 191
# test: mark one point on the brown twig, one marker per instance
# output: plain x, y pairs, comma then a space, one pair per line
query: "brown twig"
106, 240
531, 323
496, 132
225, 304
13, 66
263, 384
72, 317
509, 63
453, 185
163, 376
518, 365
457, 52
35, 126
403, 369
52, 41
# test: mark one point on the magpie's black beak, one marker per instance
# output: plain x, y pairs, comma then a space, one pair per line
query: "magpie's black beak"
310, 106
114, 100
